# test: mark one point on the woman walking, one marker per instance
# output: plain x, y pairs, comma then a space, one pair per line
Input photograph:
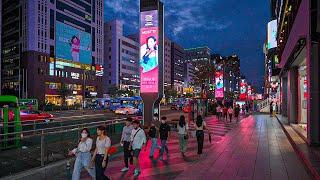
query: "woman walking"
200, 126
230, 113
183, 134
100, 155
82, 152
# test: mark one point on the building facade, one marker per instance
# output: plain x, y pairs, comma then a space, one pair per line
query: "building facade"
298, 39
177, 67
52, 50
167, 62
121, 58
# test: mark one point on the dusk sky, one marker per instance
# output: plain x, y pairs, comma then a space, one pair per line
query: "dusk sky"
226, 26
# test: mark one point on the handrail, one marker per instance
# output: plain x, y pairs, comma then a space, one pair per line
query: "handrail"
61, 129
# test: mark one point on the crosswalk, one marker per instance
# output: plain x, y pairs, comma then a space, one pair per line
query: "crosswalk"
175, 163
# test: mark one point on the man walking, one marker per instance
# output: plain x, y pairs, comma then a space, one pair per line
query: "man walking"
164, 131
125, 142
153, 136
138, 139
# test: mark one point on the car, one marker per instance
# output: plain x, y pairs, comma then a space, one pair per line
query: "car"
127, 110
33, 115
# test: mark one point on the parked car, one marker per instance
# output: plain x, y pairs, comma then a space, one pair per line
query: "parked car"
127, 110
33, 115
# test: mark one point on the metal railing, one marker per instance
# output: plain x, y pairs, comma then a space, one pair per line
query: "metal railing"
44, 145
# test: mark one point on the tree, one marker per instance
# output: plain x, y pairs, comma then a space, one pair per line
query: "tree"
64, 92
169, 92
204, 74
113, 91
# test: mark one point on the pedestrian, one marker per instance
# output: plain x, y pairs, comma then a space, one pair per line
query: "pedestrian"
100, 155
277, 108
183, 134
271, 109
230, 112
200, 127
164, 131
125, 142
243, 109
237, 112
83, 155
152, 133
225, 113
219, 114
247, 109
138, 139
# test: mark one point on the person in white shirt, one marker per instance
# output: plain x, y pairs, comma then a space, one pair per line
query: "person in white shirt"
183, 134
138, 139
100, 155
230, 112
82, 152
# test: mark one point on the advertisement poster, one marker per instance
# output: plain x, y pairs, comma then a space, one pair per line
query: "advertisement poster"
219, 84
149, 68
73, 44
249, 92
305, 88
272, 34
243, 90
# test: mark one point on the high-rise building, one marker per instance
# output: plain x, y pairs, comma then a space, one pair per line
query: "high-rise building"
232, 74
167, 62
198, 54
121, 58
189, 75
0, 42
50, 46
177, 67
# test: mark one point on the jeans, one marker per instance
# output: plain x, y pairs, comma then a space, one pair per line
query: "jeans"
200, 139
230, 117
164, 147
154, 145
99, 169
127, 153
182, 143
82, 161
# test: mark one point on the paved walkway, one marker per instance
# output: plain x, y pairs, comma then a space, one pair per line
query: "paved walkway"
256, 149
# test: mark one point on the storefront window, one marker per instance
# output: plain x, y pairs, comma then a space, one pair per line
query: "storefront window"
302, 97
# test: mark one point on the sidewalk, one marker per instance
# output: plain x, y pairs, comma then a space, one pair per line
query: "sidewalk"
257, 149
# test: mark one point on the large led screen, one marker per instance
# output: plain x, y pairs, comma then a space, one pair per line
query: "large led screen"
149, 65
243, 90
219, 84
73, 44
272, 34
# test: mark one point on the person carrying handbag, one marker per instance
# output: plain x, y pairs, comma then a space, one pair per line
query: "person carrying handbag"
183, 134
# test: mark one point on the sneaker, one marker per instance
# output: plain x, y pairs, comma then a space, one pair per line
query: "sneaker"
124, 169
136, 172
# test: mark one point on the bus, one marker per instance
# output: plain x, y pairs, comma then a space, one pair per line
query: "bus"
28, 104
10, 122
134, 101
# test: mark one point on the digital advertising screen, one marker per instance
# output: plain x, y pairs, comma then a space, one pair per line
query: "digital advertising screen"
73, 44
243, 90
219, 84
149, 62
272, 34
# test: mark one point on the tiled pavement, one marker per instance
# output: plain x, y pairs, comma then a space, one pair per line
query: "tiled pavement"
256, 148
175, 164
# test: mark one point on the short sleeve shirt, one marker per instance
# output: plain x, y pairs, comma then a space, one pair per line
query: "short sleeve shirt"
103, 144
164, 131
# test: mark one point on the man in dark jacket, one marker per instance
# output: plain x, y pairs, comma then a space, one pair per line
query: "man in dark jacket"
164, 131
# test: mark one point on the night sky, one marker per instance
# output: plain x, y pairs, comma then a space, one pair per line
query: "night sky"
226, 26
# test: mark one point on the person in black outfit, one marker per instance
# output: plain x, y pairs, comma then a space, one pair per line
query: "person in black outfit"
200, 126
271, 109
164, 131
237, 112
153, 136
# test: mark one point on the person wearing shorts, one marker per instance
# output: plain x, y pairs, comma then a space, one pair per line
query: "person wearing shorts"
138, 139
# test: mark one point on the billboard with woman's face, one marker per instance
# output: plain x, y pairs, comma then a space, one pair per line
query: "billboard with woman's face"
149, 62
73, 44
219, 84
243, 90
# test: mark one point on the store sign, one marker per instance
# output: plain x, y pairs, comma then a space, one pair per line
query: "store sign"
272, 34
149, 65
73, 44
74, 92
305, 88
99, 70
243, 90
219, 93
93, 93
75, 75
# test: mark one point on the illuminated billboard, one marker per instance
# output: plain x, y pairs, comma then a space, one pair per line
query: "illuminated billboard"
149, 65
219, 84
272, 34
73, 44
243, 90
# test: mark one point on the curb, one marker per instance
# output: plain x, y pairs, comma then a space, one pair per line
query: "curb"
300, 154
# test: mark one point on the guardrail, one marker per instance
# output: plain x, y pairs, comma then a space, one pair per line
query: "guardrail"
51, 143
